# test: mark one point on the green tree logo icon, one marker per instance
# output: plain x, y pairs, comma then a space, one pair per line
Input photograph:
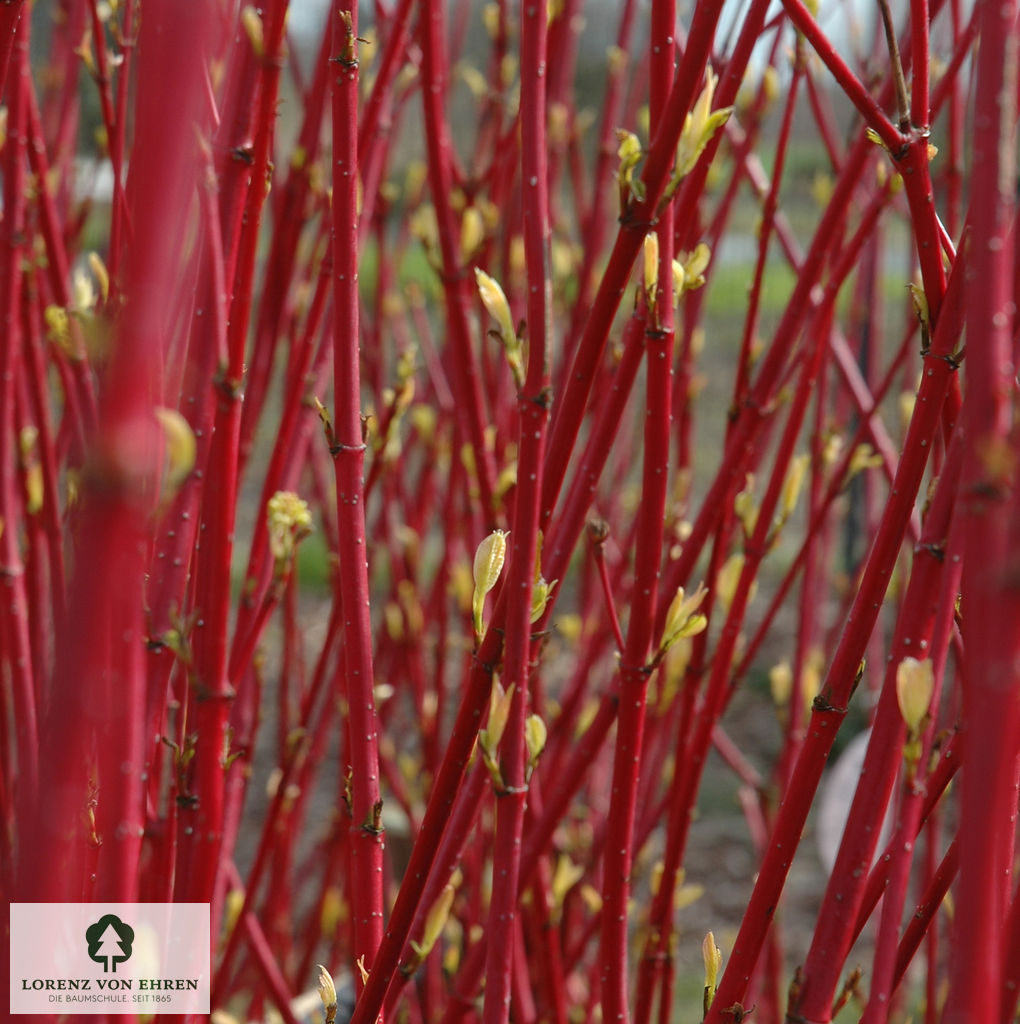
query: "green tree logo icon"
109, 942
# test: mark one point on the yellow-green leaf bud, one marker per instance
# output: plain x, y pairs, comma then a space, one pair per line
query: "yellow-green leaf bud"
251, 22
729, 578
792, 485
920, 302
58, 327
781, 683
474, 80
490, 19
875, 138
915, 684
180, 446
289, 519
535, 735
489, 738
83, 292
488, 565
651, 251
102, 275
630, 152
712, 956
679, 280
744, 506
540, 593
616, 59
327, 992
472, 233
436, 920
685, 895
495, 301
695, 263
565, 876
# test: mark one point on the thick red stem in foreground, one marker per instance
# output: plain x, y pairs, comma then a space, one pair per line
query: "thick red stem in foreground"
348, 450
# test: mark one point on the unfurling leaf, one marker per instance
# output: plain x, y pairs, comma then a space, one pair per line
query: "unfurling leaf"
500, 701
689, 270
699, 129
864, 457
499, 713
540, 592
682, 618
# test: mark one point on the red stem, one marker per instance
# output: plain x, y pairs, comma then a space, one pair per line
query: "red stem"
533, 406
100, 698
831, 705
919, 63
502, 971
468, 408
947, 569
635, 222
291, 211
928, 906
848, 82
10, 16
14, 617
634, 672
114, 139
203, 833
348, 450
991, 599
